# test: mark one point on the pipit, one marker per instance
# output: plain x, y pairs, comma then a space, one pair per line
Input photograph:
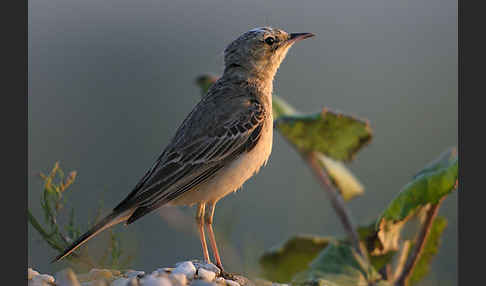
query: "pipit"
223, 142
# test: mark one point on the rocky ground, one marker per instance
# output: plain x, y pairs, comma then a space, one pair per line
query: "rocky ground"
186, 273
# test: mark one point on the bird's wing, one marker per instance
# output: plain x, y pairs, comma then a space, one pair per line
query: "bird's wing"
207, 141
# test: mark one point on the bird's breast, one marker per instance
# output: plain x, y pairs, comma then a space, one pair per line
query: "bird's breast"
232, 177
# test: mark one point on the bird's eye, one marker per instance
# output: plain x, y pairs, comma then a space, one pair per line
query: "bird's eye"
270, 41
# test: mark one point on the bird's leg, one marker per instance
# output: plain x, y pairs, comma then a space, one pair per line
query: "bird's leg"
200, 224
208, 219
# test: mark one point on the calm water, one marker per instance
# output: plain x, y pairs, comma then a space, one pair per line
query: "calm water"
110, 81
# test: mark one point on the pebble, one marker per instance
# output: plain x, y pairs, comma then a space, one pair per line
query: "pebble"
31, 273
202, 283
133, 282
162, 271
155, 281
120, 282
45, 277
178, 278
188, 273
206, 274
208, 266
133, 273
186, 268
232, 283
38, 281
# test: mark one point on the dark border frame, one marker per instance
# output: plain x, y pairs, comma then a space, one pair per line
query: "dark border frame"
14, 135
471, 87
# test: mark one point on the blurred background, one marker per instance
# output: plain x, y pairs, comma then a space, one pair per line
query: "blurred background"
110, 82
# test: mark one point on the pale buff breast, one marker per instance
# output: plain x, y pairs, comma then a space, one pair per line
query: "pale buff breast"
232, 177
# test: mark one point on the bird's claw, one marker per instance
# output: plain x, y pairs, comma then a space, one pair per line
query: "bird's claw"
224, 274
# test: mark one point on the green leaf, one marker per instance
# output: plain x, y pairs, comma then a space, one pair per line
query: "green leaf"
339, 264
281, 263
443, 161
430, 250
336, 135
427, 187
435, 181
347, 184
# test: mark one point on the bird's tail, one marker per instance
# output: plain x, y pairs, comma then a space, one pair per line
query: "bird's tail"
110, 220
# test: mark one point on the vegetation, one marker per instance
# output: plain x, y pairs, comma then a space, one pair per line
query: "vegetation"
370, 255
373, 254
60, 236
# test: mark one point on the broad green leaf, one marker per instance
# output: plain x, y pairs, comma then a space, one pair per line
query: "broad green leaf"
338, 264
294, 255
348, 185
432, 183
444, 160
428, 187
430, 250
336, 135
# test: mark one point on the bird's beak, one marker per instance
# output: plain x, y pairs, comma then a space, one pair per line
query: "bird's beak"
294, 37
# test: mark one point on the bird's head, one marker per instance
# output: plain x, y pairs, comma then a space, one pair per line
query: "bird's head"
259, 52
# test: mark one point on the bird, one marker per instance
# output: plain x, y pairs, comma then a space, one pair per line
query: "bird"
224, 140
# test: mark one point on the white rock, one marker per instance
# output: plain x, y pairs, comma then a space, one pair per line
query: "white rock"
133, 282
31, 273
155, 281
232, 283
134, 273
45, 277
162, 271
95, 283
179, 279
120, 282
206, 274
37, 282
208, 266
202, 283
186, 268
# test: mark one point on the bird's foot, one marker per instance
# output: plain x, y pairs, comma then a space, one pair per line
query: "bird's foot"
224, 274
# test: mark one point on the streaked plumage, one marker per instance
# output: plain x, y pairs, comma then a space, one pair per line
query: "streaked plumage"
224, 140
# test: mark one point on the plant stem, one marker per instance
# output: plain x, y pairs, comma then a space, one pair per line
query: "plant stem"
402, 279
402, 259
33, 221
336, 200
42, 232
